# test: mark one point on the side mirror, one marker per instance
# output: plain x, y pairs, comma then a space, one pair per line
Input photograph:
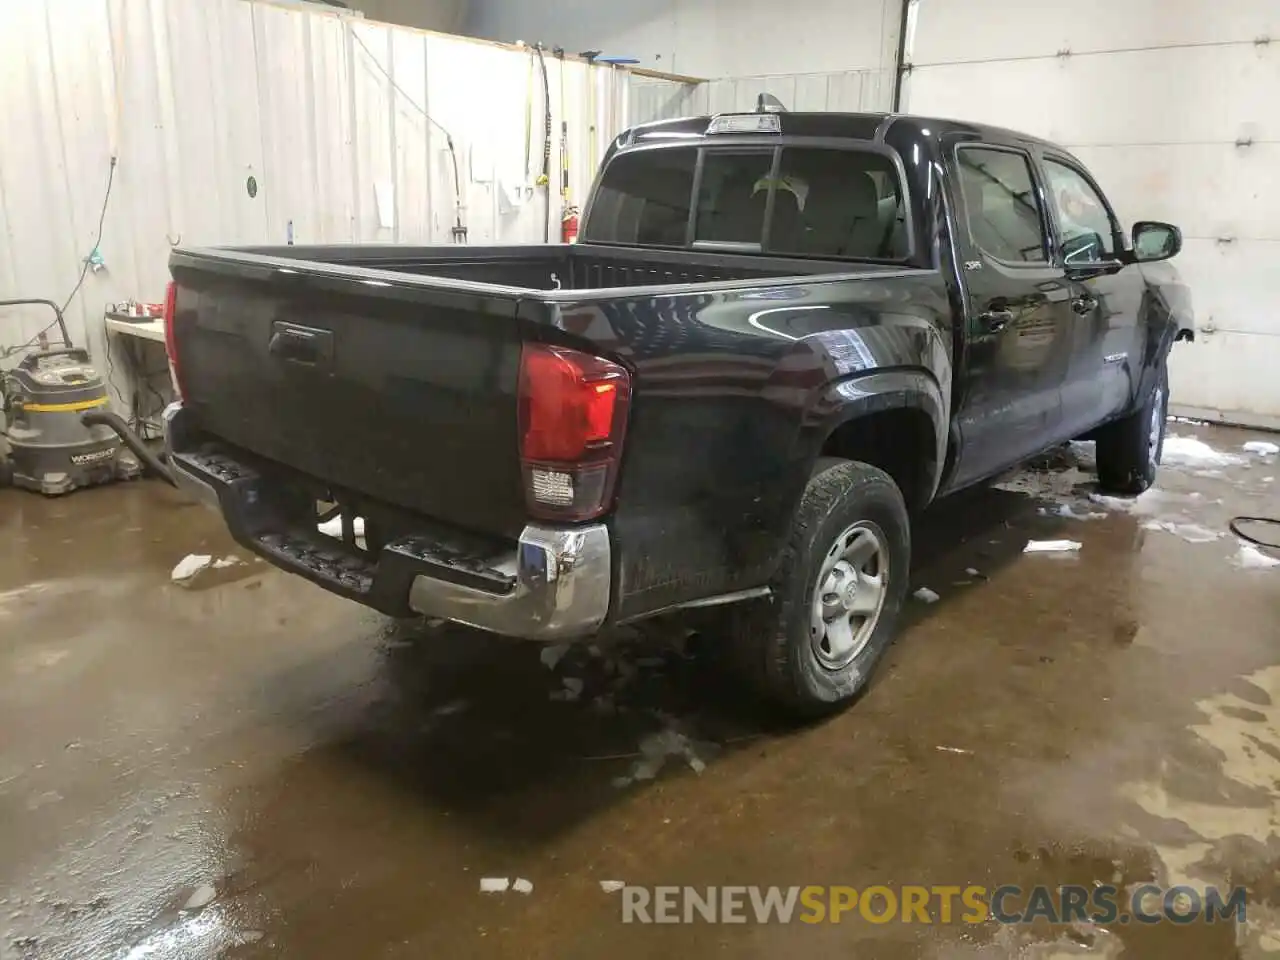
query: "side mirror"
1153, 240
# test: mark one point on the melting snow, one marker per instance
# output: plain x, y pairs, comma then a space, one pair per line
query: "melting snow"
552, 654
927, 595
1190, 451
655, 748
522, 886
1190, 532
1262, 448
1251, 558
571, 692
612, 886
1051, 546
189, 566
202, 896
1066, 511
1141, 505
495, 884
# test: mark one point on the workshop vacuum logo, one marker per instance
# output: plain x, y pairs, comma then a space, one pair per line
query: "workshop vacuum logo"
1102, 904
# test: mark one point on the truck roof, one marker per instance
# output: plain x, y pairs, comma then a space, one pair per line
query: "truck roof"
852, 126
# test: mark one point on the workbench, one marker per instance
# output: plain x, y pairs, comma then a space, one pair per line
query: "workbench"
143, 329
141, 341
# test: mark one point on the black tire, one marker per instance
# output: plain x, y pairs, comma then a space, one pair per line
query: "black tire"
1129, 449
775, 644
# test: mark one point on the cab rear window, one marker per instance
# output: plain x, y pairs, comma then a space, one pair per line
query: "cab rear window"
793, 201
643, 199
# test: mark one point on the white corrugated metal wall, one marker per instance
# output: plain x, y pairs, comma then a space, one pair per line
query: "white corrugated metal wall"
1171, 103
195, 96
844, 90
705, 38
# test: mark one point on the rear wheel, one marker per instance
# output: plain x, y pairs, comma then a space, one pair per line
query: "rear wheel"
836, 597
1129, 449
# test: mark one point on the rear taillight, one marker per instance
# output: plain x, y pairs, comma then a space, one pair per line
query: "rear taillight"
170, 339
572, 419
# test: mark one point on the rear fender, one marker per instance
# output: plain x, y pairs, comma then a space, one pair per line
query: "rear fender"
869, 394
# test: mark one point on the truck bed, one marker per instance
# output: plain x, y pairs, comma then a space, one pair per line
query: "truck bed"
559, 267
386, 377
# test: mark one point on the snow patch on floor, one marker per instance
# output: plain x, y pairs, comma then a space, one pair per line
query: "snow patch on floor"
201, 897
1191, 451
656, 747
1052, 546
189, 566
927, 595
1251, 558
1262, 448
552, 654
10, 599
1190, 532
1068, 512
1145, 504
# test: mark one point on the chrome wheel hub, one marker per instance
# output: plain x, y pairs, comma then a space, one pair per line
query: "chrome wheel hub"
849, 594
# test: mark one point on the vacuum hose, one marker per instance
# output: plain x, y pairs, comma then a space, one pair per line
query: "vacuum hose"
105, 418
1256, 541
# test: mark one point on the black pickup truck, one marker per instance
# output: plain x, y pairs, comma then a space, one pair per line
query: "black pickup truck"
781, 336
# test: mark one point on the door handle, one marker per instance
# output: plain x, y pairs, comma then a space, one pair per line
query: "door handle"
996, 320
1084, 305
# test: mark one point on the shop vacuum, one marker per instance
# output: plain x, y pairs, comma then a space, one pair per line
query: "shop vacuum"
57, 432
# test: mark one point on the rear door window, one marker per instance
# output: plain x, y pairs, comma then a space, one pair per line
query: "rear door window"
644, 199
1002, 208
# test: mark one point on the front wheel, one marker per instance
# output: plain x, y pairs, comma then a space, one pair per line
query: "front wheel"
1129, 449
836, 597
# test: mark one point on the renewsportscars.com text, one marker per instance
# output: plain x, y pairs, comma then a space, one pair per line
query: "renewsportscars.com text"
1102, 904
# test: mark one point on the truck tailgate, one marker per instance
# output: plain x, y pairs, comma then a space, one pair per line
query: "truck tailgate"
389, 389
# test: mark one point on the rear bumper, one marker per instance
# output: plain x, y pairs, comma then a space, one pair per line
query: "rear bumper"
554, 585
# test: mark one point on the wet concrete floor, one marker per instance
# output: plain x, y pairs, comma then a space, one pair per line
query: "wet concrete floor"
252, 768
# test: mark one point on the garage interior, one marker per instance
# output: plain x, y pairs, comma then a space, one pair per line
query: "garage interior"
201, 756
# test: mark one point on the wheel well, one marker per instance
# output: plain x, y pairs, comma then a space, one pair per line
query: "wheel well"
900, 442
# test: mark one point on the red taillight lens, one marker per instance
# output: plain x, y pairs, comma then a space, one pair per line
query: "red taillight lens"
573, 416
170, 340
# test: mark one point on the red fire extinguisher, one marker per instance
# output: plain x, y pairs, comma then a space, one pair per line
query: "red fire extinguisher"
569, 225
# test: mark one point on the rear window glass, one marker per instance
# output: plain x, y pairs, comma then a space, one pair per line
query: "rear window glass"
732, 196
644, 199
838, 203
844, 204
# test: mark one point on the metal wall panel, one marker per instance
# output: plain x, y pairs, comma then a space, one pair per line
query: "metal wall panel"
704, 38
1185, 131
846, 90
327, 113
978, 30
652, 99
868, 91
